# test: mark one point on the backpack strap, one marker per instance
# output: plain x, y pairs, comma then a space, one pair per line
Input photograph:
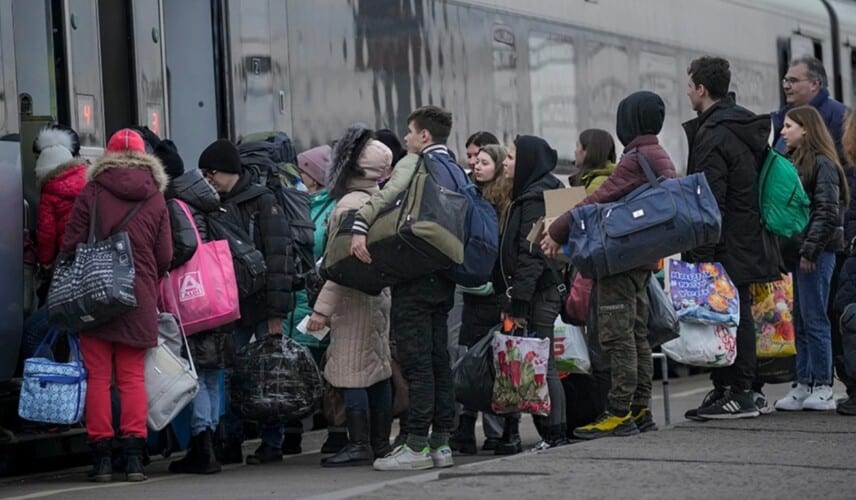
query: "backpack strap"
93, 217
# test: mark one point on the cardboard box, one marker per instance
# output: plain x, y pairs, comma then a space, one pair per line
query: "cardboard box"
557, 202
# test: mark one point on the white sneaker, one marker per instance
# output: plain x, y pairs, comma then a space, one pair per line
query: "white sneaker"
763, 404
442, 457
403, 458
822, 399
795, 398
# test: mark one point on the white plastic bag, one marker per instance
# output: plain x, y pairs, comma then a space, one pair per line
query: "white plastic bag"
703, 345
570, 349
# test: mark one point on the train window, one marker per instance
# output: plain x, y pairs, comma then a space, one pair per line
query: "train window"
85, 62
553, 83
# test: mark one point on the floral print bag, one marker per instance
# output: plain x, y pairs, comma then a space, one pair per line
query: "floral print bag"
521, 374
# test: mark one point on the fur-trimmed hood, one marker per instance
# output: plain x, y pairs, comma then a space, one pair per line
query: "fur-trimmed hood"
129, 175
45, 175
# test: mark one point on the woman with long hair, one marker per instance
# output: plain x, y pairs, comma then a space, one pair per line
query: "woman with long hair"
481, 305
595, 158
811, 256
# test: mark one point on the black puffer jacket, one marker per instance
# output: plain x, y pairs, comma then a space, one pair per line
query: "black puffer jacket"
522, 268
825, 231
201, 198
264, 220
727, 143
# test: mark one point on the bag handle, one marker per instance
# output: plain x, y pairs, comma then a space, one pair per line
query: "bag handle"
186, 210
646, 167
93, 213
560, 286
47, 344
181, 326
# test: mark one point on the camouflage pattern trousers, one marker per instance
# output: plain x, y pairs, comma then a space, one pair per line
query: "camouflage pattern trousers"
622, 322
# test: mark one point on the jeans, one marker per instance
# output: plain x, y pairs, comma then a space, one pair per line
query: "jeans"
545, 308
376, 397
271, 434
206, 404
102, 360
36, 328
813, 330
741, 375
419, 326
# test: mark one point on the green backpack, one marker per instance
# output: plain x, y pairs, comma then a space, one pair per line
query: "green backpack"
782, 200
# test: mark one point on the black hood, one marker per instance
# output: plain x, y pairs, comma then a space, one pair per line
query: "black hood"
535, 159
192, 188
640, 113
753, 130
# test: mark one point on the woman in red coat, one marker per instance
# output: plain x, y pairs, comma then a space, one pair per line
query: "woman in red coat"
61, 175
125, 177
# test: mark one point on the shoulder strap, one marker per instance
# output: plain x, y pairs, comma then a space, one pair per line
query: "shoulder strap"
127, 218
324, 209
93, 215
646, 167
560, 283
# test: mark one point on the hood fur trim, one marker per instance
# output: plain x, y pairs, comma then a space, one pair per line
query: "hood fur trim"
130, 159
43, 177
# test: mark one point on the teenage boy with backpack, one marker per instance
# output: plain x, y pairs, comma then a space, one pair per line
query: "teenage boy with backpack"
419, 313
250, 211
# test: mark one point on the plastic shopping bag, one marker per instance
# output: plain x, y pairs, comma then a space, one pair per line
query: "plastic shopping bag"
712, 346
703, 293
772, 310
570, 349
474, 374
663, 324
521, 374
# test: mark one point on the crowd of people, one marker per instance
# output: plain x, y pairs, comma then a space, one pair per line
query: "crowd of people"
357, 177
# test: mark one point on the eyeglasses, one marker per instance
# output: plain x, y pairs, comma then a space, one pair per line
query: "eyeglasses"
791, 80
209, 173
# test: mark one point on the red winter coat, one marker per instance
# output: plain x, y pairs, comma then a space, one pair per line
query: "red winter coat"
60, 188
119, 181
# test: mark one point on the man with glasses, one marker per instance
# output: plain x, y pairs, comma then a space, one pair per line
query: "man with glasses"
806, 83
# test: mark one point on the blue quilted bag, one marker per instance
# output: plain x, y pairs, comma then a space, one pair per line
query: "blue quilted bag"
53, 392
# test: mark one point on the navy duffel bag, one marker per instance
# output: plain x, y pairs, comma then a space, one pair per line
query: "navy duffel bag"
658, 219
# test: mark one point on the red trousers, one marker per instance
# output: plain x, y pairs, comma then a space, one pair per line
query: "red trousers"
102, 360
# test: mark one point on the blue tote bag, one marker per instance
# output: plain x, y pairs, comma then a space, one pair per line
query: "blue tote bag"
53, 392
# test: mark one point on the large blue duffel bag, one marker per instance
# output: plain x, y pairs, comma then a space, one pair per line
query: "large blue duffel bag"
660, 218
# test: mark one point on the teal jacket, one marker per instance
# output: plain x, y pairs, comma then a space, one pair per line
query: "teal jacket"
321, 206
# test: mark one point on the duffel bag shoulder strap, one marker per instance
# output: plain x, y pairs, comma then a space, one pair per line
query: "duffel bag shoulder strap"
645, 166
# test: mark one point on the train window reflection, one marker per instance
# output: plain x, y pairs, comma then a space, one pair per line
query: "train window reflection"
553, 82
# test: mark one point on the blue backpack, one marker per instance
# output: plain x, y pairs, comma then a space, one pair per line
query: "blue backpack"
481, 247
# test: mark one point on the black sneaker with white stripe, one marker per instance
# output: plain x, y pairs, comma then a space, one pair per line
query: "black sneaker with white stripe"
733, 405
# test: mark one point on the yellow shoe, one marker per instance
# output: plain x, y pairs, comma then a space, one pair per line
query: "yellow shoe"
608, 425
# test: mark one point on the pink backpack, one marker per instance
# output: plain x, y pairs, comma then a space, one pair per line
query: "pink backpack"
202, 292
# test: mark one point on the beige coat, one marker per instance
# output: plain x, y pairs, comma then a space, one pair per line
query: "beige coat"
358, 355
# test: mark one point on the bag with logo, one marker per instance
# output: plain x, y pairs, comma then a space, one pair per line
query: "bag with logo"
53, 392
783, 203
481, 246
660, 218
97, 285
205, 288
703, 293
570, 350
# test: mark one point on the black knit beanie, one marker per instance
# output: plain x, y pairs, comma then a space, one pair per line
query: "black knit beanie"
222, 156
167, 153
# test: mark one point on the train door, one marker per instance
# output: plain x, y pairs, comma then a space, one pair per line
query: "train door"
83, 67
258, 63
149, 65
191, 75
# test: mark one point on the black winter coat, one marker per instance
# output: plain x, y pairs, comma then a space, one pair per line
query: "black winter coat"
825, 231
850, 214
846, 293
522, 267
211, 349
728, 143
263, 219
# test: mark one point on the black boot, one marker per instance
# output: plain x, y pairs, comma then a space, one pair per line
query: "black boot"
200, 458
102, 461
336, 440
558, 435
291, 443
381, 426
133, 449
463, 440
357, 451
509, 443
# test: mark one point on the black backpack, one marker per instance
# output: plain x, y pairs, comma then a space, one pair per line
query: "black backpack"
249, 262
268, 161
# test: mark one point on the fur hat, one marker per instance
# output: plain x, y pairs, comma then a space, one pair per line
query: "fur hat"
167, 153
54, 146
67, 137
313, 162
222, 156
126, 141
344, 161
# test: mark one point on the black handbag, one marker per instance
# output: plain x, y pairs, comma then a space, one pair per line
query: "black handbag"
474, 375
97, 286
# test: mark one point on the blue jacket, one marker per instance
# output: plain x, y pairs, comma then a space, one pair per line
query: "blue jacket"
833, 114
